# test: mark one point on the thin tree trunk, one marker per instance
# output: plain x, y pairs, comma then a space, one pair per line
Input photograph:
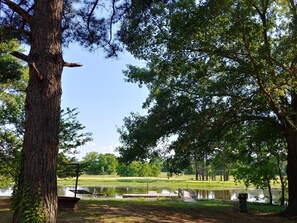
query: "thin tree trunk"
203, 171
213, 177
196, 170
36, 190
283, 185
226, 173
269, 190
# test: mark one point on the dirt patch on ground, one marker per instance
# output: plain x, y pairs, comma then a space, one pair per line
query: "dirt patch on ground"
113, 212
154, 213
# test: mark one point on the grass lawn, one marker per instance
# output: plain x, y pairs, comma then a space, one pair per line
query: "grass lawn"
162, 210
186, 181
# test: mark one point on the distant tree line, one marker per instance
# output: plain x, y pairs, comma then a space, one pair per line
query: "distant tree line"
94, 163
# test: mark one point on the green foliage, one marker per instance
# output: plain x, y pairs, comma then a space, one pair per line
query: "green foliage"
10, 67
71, 137
138, 169
259, 156
30, 210
112, 163
13, 79
219, 73
97, 163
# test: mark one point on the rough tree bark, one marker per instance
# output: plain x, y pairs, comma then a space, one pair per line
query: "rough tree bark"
291, 172
37, 183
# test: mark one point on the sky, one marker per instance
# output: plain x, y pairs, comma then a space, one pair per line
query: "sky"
99, 91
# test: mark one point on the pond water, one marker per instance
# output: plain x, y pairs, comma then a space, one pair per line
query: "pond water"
117, 192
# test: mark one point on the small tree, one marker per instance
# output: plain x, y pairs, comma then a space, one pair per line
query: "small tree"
260, 172
98, 163
71, 137
111, 163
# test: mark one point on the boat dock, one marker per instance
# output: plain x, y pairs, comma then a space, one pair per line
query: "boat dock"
150, 194
184, 194
187, 195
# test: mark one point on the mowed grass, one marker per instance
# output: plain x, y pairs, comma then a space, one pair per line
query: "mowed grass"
186, 181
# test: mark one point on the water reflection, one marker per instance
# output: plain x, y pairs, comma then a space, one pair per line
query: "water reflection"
117, 192
114, 192
6, 191
256, 195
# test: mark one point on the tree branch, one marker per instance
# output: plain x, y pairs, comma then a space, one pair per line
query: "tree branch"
23, 31
111, 21
89, 17
24, 14
20, 56
67, 64
29, 61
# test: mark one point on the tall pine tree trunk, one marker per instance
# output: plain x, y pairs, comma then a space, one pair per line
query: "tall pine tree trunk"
36, 190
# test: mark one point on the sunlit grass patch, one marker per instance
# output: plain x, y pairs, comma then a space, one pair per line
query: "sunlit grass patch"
265, 208
174, 182
216, 203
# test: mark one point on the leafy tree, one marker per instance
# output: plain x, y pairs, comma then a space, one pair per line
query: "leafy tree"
98, 163
234, 61
260, 158
12, 84
259, 173
138, 169
71, 137
10, 67
90, 164
111, 163
155, 170
257, 167
122, 170
145, 170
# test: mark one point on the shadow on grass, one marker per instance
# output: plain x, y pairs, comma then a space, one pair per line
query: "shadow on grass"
169, 210
160, 210
5, 211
